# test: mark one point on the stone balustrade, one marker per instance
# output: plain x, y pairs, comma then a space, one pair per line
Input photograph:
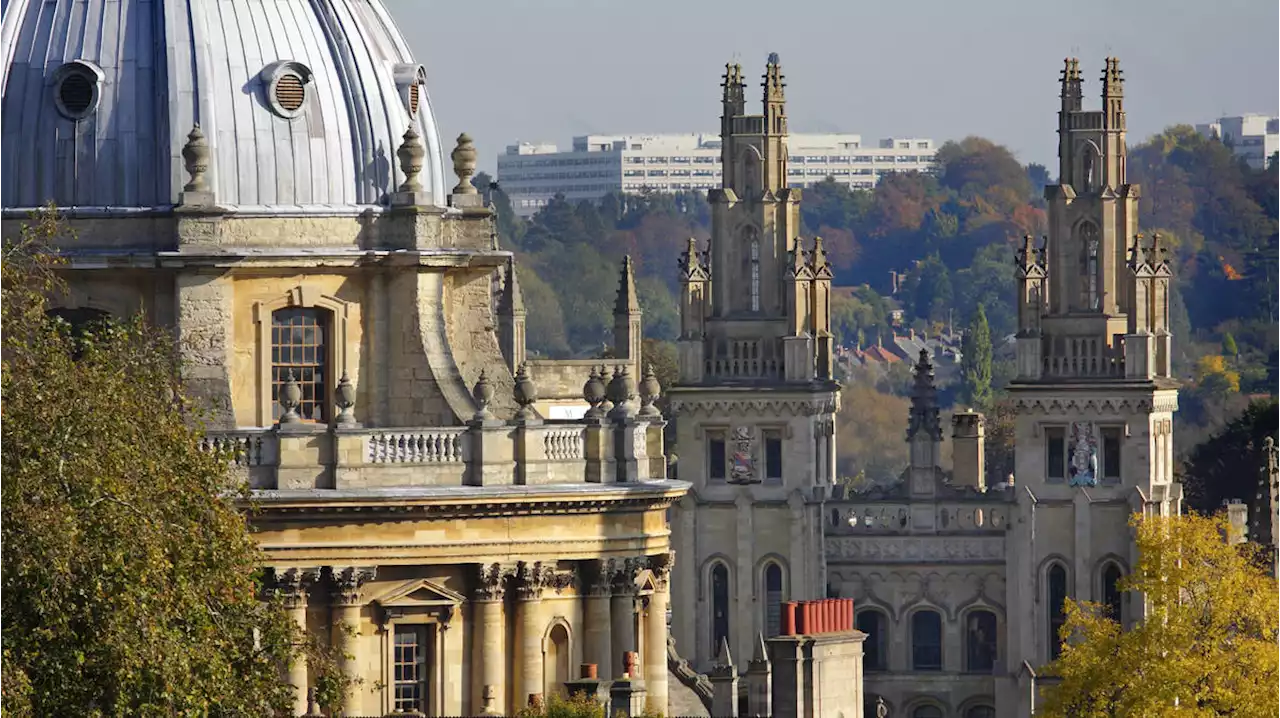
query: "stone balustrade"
480, 454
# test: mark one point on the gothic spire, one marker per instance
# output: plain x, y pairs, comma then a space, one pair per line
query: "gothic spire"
924, 401
627, 301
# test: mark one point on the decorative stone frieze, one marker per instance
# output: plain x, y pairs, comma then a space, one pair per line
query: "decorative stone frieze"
908, 549
767, 407
1065, 407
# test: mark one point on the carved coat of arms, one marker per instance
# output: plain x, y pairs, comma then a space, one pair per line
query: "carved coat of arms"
1083, 468
743, 465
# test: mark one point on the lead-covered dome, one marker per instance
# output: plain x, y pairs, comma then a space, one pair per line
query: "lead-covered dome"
303, 103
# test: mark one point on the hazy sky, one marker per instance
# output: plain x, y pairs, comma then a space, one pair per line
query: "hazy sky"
545, 70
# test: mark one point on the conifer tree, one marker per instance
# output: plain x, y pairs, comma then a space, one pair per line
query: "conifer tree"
975, 362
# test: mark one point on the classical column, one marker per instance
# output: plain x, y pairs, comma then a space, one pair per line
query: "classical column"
530, 580
655, 642
489, 654
345, 623
292, 585
598, 645
623, 612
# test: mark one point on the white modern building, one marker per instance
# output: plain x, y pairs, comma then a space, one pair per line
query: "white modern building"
532, 174
1252, 137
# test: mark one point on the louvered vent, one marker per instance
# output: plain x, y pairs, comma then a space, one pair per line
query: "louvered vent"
414, 92
75, 92
290, 92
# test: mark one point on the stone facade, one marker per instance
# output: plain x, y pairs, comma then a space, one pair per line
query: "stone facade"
956, 583
756, 400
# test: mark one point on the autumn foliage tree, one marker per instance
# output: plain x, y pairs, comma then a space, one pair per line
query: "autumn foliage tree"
129, 584
1206, 646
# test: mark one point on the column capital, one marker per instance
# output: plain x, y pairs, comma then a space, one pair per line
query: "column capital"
597, 578
660, 566
623, 573
346, 582
292, 584
534, 576
491, 581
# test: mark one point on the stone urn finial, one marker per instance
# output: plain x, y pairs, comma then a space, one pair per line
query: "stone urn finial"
483, 394
290, 398
650, 391
526, 394
411, 154
594, 394
195, 155
464, 164
345, 397
621, 389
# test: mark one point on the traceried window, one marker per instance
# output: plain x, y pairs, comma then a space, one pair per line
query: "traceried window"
980, 641
409, 664
299, 346
755, 275
719, 605
926, 641
1087, 236
772, 600
1057, 597
875, 654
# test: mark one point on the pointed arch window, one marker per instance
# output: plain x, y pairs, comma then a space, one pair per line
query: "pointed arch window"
1087, 234
980, 641
875, 653
772, 600
1111, 591
1056, 599
926, 641
755, 274
719, 604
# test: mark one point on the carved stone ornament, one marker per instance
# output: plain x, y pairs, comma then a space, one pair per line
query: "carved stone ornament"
593, 393
526, 393
743, 460
345, 397
290, 398
292, 584
491, 581
464, 164
1083, 469
412, 155
347, 583
195, 156
660, 566
483, 394
650, 391
531, 579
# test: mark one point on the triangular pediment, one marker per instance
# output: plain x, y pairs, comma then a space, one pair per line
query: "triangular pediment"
419, 592
644, 582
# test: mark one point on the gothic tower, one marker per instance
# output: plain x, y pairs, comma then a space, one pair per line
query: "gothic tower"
756, 399
1094, 393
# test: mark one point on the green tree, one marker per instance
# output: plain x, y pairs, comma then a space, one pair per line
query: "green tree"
1229, 347
1229, 464
1206, 646
129, 577
975, 362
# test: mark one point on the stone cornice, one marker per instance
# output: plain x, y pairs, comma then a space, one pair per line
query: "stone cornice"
1159, 401
469, 501
812, 405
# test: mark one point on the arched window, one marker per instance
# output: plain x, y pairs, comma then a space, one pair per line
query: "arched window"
875, 650
1056, 600
755, 275
772, 600
980, 641
980, 712
719, 604
557, 660
1111, 591
926, 641
927, 712
1087, 236
300, 347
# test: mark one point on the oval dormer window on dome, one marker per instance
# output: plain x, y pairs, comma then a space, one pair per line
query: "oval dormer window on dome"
76, 89
411, 81
287, 85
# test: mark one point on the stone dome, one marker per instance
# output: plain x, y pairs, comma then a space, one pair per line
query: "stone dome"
303, 103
